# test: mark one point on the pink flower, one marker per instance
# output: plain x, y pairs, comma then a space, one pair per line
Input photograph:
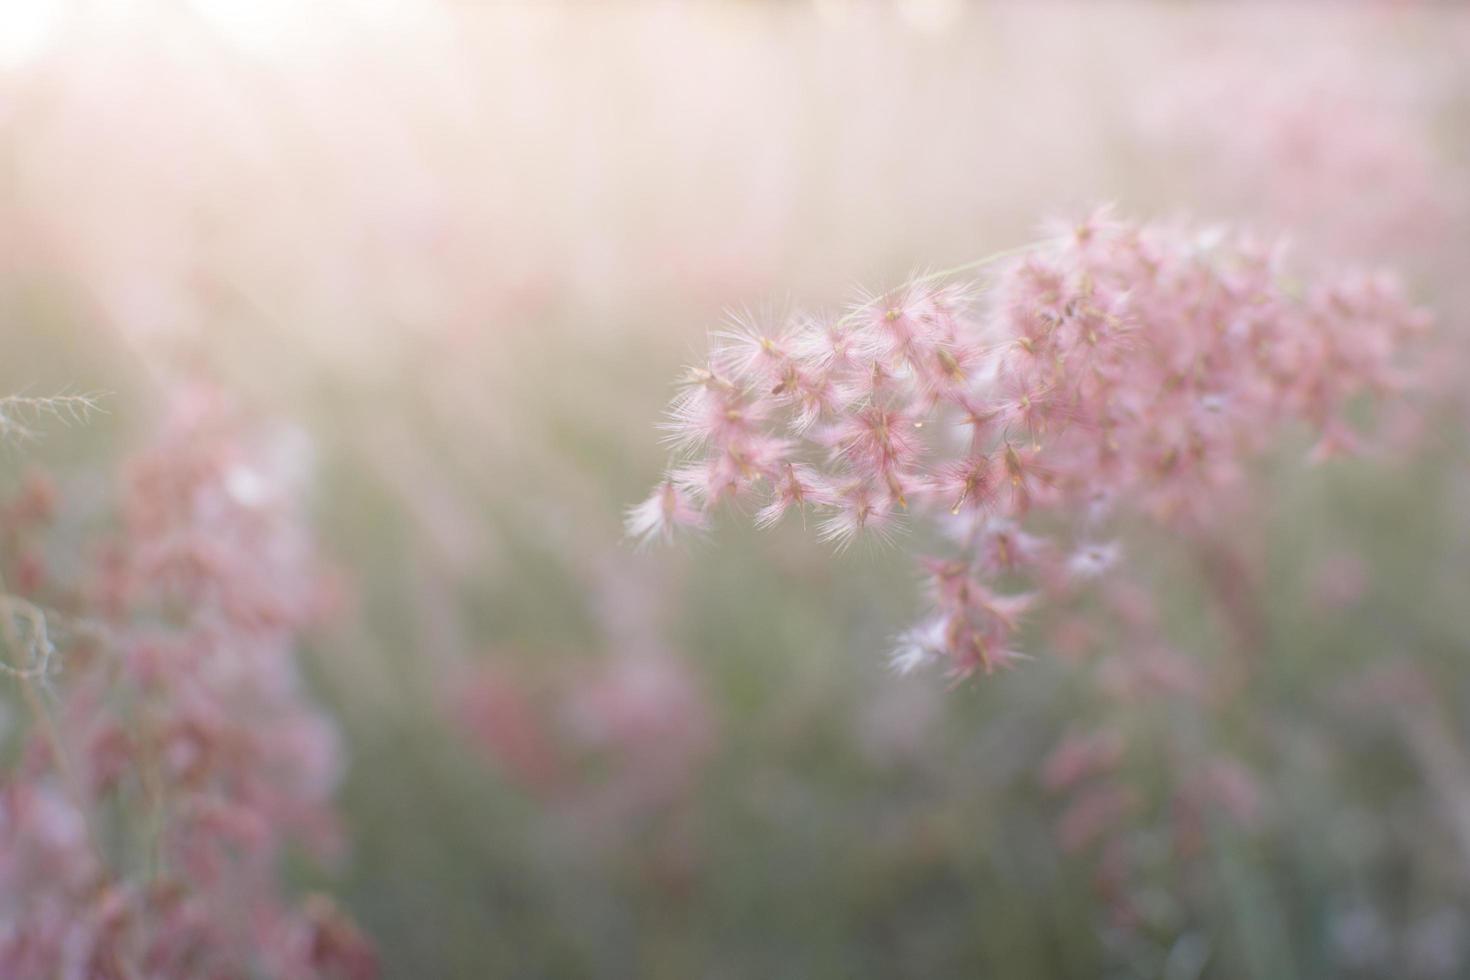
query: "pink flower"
1094, 813
667, 509
1081, 755
1119, 368
181, 700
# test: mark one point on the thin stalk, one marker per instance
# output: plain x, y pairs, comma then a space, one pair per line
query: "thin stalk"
941, 274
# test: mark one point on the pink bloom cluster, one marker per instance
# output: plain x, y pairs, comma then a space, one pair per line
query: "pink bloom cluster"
613, 746
1118, 366
1127, 776
644, 714
178, 758
1290, 139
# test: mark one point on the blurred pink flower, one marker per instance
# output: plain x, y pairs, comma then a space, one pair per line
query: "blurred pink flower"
182, 730
1340, 581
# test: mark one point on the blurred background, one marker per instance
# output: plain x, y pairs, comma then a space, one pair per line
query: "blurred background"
459, 251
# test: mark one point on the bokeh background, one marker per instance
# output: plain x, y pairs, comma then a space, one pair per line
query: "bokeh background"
461, 250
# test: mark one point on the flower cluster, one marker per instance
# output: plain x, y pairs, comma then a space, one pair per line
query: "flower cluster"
611, 743
613, 746
1116, 367
1287, 140
175, 758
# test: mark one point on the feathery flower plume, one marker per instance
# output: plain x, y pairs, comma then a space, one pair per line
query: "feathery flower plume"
20, 414
1116, 367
